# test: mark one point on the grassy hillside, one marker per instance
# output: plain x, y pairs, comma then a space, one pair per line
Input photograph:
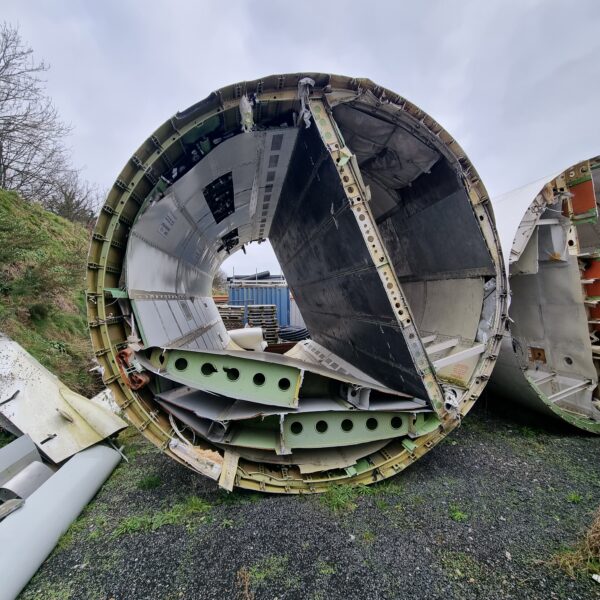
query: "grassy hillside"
42, 303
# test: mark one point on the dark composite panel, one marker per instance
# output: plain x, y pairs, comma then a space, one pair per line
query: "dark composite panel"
433, 233
320, 248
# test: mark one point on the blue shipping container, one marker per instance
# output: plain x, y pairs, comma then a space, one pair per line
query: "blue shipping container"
263, 294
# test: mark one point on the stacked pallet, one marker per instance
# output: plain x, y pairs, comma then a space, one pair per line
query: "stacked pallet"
265, 316
233, 316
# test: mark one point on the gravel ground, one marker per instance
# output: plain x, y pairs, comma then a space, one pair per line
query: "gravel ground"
480, 516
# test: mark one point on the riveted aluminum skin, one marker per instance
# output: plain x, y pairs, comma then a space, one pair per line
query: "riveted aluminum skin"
385, 235
551, 243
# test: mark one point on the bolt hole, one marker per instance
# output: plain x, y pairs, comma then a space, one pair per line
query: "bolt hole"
571, 243
296, 427
321, 426
208, 369
372, 423
258, 379
481, 217
396, 422
181, 364
568, 360
161, 359
284, 384
347, 425
232, 374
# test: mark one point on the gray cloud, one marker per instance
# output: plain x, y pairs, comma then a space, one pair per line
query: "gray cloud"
517, 83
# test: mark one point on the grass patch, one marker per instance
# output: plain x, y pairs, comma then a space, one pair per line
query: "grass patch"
149, 482
585, 556
237, 497
44, 256
269, 569
527, 432
324, 568
48, 590
574, 497
272, 567
382, 504
460, 565
180, 514
368, 537
457, 515
416, 500
342, 498
339, 498
68, 537
387, 487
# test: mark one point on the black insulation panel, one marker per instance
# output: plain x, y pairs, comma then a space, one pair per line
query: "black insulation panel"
327, 265
433, 233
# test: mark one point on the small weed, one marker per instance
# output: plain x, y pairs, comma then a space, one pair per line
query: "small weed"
149, 482
227, 523
368, 537
387, 487
272, 567
133, 525
237, 497
457, 515
382, 504
528, 432
324, 568
179, 514
417, 500
574, 498
460, 565
341, 498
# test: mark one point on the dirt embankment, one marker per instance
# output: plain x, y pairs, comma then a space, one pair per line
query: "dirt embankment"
42, 283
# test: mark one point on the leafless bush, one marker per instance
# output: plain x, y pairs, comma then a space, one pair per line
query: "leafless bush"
34, 159
220, 282
75, 199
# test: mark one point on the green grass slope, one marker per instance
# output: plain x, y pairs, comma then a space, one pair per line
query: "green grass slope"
42, 302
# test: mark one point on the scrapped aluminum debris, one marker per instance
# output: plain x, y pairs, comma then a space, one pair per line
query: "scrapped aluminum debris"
21, 469
393, 262
34, 401
550, 357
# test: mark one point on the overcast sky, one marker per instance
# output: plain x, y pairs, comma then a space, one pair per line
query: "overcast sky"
517, 83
